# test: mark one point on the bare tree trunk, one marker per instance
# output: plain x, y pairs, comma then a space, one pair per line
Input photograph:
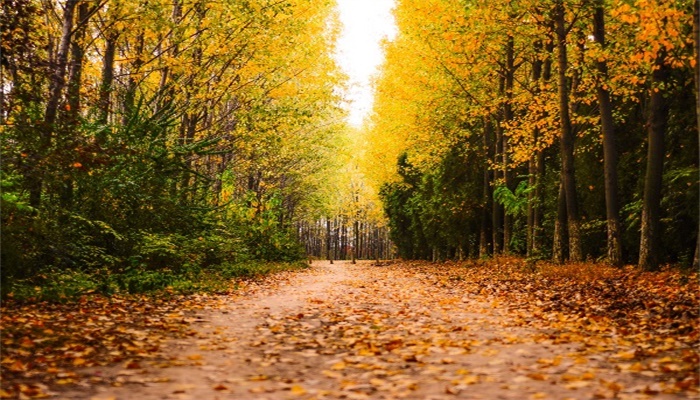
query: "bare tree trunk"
649, 246
567, 139
609, 147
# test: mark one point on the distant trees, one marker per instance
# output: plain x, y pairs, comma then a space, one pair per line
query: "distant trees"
603, 158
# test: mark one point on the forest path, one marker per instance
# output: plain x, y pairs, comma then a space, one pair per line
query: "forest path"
347, 331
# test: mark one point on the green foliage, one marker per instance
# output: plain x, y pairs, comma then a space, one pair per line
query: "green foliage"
514, 202
260, 221
434, 214
126, 221
57, 285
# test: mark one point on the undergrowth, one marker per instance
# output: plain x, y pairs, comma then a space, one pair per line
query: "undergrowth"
65, 286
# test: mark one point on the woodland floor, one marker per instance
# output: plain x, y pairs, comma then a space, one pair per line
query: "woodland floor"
366, 331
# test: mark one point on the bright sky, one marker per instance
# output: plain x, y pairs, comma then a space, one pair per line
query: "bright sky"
365, 23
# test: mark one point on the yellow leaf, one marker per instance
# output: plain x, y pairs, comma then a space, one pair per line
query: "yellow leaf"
625, 355
78, 362
297, 390
588, 376
339, 366
537, 376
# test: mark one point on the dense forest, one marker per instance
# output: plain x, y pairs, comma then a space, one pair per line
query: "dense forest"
564, 130
146, 139
154, 137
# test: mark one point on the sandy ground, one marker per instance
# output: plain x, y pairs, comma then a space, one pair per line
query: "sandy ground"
347, 331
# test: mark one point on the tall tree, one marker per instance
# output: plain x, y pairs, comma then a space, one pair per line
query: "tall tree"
657, 120
57, 83
609, 141
566, 138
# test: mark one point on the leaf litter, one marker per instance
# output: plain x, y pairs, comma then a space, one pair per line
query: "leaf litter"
496, 329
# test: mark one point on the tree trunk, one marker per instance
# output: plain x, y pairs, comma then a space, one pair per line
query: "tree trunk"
72, 114
649, 246
497, 211
538, 193
129, 101
559, 245
76, 66
609, 147
58, 76
567, 139
487, 197
105, 94
328, 240
355, 239
533, 178
56, 85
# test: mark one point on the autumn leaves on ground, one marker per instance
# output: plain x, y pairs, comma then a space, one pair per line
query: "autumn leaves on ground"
496, 329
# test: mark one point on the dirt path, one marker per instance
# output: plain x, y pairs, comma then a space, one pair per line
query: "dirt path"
348, 331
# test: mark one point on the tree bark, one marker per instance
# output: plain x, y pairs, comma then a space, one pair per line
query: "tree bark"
560, 228
485, 235
609, 146
73, 105
328, 240
356, 240
106, 83
497, 212
129, 101
58, 76
649, 246
538, 193
533, 170
567, 139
